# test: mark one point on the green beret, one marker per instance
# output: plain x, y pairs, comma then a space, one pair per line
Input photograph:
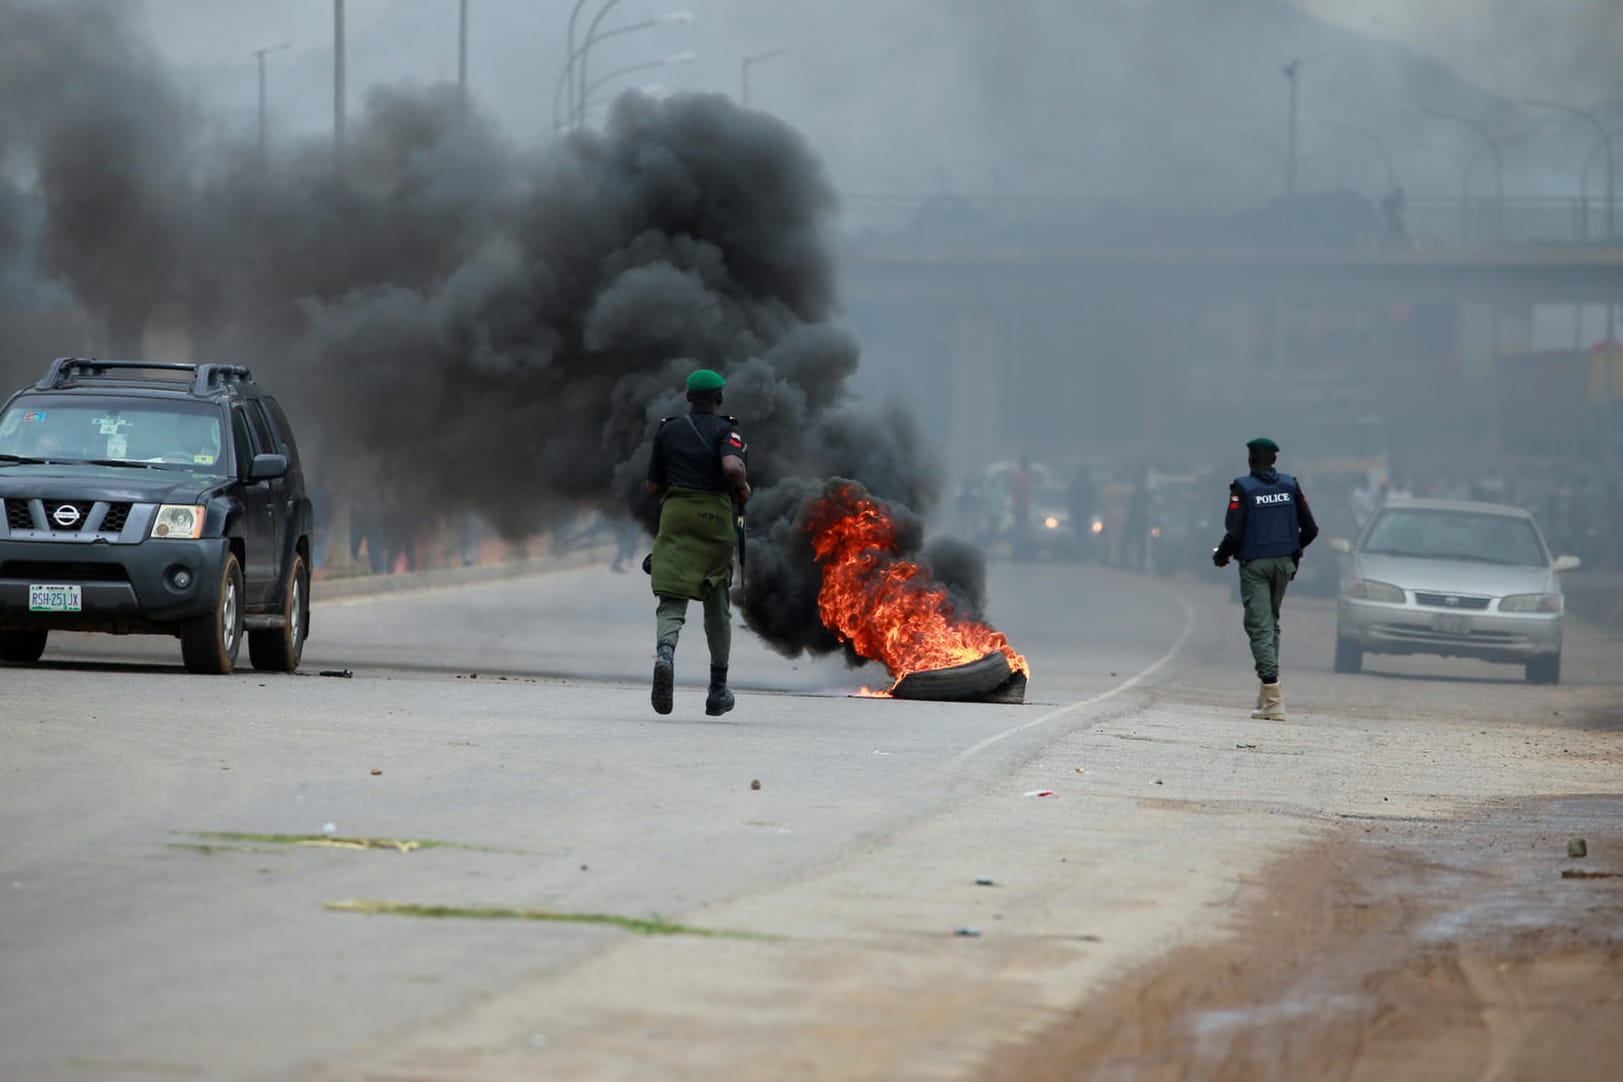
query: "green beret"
706, 380
1263, 443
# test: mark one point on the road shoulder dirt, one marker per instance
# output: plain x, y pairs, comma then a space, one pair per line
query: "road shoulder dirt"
1388, 949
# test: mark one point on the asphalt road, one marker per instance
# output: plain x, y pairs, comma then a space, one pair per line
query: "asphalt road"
134, 944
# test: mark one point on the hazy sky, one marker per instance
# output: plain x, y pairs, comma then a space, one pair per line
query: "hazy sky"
1566, 49
1509, 47
1156, 97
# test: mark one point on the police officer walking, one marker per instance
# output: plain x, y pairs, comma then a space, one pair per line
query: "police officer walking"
1267, 527
697, 467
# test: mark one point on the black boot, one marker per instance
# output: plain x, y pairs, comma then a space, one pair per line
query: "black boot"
720, 700
664, 677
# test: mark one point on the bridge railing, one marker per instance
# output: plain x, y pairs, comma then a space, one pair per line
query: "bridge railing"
1432, 222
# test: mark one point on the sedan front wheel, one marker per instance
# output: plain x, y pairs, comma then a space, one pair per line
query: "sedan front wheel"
1544, 669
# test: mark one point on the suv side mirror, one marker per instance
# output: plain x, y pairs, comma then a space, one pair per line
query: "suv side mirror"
1567, 563
1341, 544
267, 467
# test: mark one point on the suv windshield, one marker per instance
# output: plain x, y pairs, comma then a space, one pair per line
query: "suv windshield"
1456, 535
163, 432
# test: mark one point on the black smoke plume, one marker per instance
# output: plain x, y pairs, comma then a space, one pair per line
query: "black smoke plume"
472, 325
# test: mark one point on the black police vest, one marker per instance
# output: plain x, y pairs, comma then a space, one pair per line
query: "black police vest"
1271, 526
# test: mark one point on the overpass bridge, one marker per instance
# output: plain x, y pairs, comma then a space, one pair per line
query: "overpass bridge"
877, 271
1016, 341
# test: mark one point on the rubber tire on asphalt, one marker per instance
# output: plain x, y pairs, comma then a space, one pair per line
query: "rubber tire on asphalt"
1349, 658
970, 680
22, 646
279, 649
1544, 669
207, 645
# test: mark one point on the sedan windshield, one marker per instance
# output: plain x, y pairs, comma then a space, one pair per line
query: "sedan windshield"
1456, 535
166, 433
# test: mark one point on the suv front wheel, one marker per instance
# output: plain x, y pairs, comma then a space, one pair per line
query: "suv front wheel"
279, 649
209, 643
22, 646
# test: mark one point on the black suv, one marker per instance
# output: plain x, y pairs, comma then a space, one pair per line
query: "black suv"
140, 498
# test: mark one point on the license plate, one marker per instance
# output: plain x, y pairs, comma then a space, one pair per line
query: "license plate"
1452, 625
54, 599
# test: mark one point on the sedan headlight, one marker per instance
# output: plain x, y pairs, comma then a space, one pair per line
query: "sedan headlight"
1369, 590
1051, 522
178, 520
1531, 603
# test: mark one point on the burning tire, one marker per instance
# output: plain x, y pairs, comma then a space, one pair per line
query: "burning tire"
969, 681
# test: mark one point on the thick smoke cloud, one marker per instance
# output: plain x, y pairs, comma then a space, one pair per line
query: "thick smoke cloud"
473, 325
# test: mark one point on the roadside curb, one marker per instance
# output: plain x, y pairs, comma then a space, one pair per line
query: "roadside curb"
439, 577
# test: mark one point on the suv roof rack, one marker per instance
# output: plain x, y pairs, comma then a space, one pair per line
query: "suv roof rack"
203, 377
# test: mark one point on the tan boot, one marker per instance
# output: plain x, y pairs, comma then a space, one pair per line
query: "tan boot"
1261, 697
1273, 704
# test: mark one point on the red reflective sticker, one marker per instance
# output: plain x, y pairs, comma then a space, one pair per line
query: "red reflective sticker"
734, 440
1234, 502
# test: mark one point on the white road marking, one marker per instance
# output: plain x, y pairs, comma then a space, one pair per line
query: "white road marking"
1126, 685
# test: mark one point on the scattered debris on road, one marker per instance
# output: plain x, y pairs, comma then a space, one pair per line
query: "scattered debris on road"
376, 772
1577, 848
966, 932
1041, 792
755, 783
342, 674
1248, 747
984, 881
1580, 873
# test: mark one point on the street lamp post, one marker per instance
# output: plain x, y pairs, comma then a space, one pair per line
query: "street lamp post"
674, 58
1498, 170
744, 66
1291, 72
580, 60
569, 58
1583, 181
1611, 163
646, 24
462, 58
259, 55
338, 86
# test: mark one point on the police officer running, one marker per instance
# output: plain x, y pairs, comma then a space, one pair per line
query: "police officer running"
1267, 527
698, 468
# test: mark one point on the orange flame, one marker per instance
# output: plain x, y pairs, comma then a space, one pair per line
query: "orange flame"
888, 608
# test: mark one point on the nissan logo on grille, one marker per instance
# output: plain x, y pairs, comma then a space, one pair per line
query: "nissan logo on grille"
66, 515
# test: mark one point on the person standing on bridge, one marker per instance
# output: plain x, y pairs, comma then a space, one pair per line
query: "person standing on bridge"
1267, 527
697, 469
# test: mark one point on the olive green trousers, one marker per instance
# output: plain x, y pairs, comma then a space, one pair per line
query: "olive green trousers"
1262, 591
672, 613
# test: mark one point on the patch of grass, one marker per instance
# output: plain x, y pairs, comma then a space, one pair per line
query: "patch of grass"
334, 842
452, 912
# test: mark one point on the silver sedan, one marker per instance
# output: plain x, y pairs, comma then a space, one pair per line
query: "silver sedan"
1453, 578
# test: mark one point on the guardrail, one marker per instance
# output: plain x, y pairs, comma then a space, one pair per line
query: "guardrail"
1475, 222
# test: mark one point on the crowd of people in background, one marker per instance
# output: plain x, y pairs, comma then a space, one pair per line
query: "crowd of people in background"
1134, 516
1128, 516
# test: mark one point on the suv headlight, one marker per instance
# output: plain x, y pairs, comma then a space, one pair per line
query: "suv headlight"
1531, 603
1369, 590
178, 520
